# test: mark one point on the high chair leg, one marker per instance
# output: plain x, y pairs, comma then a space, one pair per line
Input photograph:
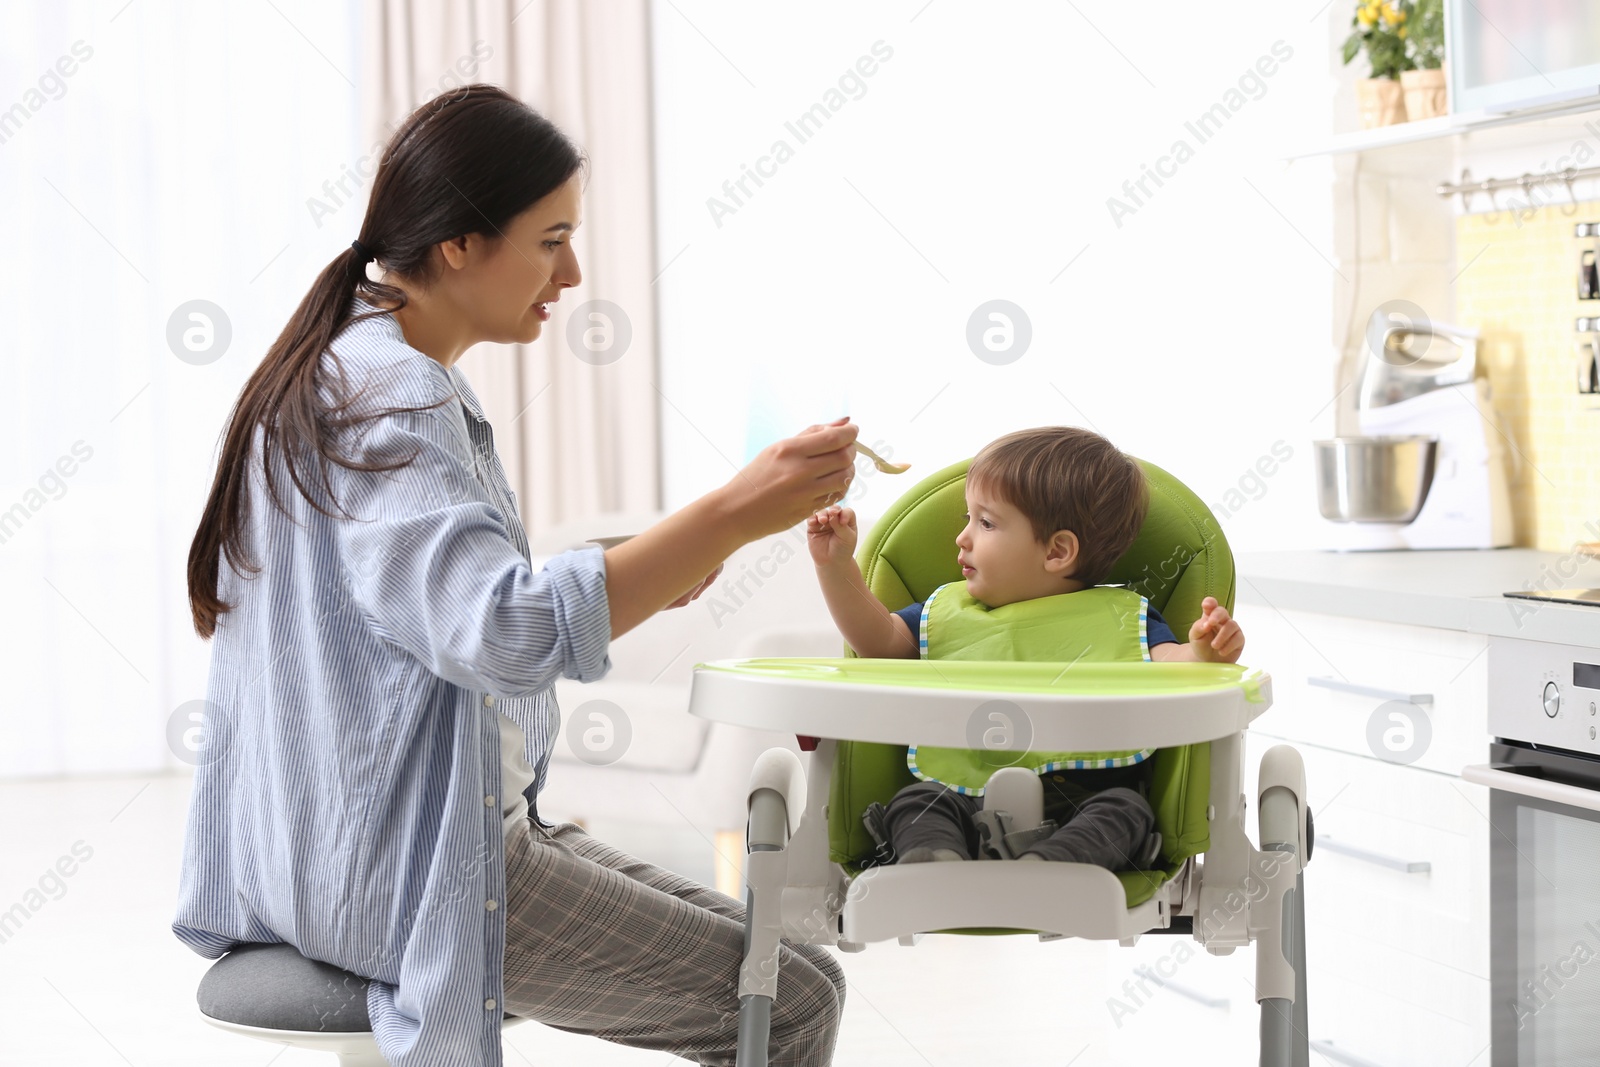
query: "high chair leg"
1300, 1040
758, 976
1281, 938
1284, 1041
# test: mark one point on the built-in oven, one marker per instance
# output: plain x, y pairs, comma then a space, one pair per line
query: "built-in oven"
1544, 878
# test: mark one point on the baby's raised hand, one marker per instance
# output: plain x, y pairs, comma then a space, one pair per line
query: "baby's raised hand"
831, 536
1215, 637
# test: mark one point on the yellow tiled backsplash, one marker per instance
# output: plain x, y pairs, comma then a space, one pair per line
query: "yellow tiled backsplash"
1518, 284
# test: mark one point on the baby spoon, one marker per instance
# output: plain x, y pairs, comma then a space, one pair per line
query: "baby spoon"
882, 464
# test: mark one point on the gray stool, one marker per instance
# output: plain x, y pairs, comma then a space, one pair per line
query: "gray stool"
273, 993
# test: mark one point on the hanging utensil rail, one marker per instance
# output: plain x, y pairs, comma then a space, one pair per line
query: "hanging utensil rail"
1466, 188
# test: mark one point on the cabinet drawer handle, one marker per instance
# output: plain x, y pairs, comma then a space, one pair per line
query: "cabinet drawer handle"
1339, 1055
1406, 866
1340, 686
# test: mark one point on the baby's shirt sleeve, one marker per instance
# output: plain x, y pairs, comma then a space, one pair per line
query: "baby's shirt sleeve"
913, 617
1156, 630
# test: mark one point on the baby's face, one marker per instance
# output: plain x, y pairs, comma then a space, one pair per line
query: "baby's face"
1001, 561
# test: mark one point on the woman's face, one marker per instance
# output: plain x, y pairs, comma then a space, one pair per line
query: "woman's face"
503, 287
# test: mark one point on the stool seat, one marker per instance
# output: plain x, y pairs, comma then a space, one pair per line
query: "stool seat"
273, 986
272, 992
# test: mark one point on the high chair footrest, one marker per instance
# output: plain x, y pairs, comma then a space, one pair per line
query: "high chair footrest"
1072, 899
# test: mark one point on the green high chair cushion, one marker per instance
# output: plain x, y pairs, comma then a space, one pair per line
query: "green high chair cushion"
1179, 558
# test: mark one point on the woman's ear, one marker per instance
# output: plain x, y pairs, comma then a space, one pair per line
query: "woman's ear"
454, 251
1061, 556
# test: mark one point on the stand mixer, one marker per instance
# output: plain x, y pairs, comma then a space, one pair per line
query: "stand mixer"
1429, 469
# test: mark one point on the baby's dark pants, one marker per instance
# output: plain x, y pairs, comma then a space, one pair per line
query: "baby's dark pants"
1103, 826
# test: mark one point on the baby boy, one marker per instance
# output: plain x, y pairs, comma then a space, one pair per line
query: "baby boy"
1049, 512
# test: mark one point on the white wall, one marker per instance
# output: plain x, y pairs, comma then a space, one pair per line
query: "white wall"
977, 165
173, 163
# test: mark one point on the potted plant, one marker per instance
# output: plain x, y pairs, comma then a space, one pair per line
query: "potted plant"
1378, 28
1423, 32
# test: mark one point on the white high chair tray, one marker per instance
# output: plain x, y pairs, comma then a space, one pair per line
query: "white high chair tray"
960, 703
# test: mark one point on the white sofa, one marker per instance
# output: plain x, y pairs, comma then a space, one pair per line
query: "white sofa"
677, 768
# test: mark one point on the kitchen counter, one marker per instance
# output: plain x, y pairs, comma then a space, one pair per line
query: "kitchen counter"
1450, 590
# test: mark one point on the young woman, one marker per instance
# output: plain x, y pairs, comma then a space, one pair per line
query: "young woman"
380, 698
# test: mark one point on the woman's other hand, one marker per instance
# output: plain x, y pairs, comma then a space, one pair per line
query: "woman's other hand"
697, 590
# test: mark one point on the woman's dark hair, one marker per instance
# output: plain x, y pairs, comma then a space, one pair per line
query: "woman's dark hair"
467, 161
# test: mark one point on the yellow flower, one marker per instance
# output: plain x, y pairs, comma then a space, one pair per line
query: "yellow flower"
1366, 18
1402, 33
1390, 13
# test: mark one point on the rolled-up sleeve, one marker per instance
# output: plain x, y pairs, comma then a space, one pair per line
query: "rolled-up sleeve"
427, 558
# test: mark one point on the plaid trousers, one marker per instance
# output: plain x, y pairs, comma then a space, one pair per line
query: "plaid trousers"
599, 942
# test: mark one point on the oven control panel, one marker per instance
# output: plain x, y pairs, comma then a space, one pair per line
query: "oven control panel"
1545, 693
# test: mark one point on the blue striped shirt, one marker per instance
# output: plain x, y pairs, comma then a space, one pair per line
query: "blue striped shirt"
346, 795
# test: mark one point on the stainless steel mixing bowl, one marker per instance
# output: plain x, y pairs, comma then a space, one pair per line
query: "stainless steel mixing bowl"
1374, 479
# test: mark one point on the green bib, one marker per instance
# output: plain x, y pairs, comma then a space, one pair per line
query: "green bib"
1102, 623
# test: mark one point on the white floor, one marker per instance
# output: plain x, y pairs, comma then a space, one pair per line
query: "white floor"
96, 977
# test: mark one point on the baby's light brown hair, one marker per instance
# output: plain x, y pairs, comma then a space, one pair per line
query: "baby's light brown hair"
1068, 478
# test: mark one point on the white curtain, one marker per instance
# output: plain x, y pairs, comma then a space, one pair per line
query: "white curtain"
151, 155
575, 426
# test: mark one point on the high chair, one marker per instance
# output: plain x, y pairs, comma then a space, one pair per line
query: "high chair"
810, 873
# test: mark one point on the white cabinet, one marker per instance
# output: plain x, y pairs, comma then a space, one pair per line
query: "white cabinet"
1397, 891
1333, 677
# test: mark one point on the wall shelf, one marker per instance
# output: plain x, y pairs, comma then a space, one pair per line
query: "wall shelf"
1502, 129
1381, 137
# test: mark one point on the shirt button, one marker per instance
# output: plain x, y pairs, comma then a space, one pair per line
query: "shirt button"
488, 801
491, 905
488, 702
489, 1004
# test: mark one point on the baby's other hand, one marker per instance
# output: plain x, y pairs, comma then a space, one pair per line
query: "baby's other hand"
1215, 637
831, 536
